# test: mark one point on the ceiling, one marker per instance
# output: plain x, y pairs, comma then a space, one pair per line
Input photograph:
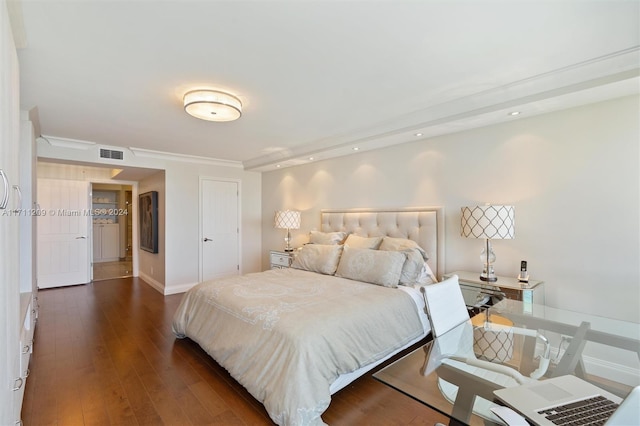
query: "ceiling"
316, 78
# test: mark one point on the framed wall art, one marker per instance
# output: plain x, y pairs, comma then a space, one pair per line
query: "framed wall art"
148, 207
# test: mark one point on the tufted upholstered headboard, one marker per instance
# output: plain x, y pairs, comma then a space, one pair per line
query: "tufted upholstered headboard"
424, 225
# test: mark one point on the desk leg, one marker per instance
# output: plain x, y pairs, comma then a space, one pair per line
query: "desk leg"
573, 354
469, 386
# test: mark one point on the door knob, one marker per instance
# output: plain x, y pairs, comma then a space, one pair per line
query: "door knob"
81, 238
207, 239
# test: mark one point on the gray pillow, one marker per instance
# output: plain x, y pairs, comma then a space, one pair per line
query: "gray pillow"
321, 258
356, 241
317, 237
371, 266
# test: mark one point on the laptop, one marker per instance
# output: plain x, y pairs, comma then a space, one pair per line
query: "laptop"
561, 400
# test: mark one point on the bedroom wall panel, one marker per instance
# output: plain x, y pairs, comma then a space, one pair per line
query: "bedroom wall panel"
573, 176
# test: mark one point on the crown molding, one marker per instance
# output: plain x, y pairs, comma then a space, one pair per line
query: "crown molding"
67, 143
478, 109
162, 155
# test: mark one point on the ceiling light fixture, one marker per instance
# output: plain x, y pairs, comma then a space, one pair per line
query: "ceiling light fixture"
212, 105
418, 134
355, 148
514, 113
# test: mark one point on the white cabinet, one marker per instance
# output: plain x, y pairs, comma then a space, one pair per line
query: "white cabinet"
16, 186
106, 242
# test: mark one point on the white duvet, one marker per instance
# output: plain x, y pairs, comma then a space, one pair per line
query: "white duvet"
287, 334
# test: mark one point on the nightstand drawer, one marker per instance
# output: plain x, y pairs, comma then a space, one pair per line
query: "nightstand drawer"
280, 260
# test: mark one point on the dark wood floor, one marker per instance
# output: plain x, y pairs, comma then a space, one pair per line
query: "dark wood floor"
104, 354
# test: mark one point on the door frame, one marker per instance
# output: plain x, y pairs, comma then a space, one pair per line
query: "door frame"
200, 220
134, 222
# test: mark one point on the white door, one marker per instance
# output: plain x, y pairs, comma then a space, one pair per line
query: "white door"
219, 225
63, 233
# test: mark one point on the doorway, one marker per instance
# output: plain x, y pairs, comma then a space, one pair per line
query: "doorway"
112, 231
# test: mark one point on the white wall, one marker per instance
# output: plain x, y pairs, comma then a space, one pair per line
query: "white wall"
151, 266
572, 175
182, 177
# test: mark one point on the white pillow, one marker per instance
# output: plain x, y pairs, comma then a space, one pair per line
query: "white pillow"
321, 258
399, 244
427, 276
356, 241
413, 267
371, 266
317, 237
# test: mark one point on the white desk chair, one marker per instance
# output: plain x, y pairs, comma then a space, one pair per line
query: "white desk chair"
461, 376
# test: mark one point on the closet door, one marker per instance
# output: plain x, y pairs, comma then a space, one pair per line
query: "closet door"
220, 232
63, 233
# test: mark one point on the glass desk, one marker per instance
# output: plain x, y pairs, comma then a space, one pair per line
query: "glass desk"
603, 351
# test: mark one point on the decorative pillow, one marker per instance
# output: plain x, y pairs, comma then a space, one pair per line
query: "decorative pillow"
316, 237
427, 276
355, 241
412, 268
321, 258
399, 244
371, 266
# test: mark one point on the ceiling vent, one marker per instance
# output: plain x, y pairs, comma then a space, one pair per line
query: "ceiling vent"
111, 154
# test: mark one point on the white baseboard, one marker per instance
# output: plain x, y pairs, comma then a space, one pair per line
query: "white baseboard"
164, 289
612, 371
178, 288
602, 368
153, 283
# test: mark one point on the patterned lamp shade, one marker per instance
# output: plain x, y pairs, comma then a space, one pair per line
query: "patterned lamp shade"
287, 219
490, 222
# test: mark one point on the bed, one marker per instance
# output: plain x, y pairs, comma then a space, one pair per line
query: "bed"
293, 337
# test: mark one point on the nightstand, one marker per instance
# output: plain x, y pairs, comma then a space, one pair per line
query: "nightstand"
476, 291
280, 259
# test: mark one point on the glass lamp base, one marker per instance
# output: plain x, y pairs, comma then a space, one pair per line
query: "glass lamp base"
489, 279
488, 257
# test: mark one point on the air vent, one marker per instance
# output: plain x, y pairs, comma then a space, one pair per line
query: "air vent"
112, 154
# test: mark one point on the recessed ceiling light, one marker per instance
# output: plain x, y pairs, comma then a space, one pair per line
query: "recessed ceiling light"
355, 148
514, 113
277, 166
310, 158
418, 134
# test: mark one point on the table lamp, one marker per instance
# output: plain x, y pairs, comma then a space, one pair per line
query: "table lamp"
287, 219
491, 223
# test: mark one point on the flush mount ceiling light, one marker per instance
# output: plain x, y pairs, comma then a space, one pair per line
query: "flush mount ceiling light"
212, 105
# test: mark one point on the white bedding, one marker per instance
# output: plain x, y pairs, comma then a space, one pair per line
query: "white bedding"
344, 379
286, 334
